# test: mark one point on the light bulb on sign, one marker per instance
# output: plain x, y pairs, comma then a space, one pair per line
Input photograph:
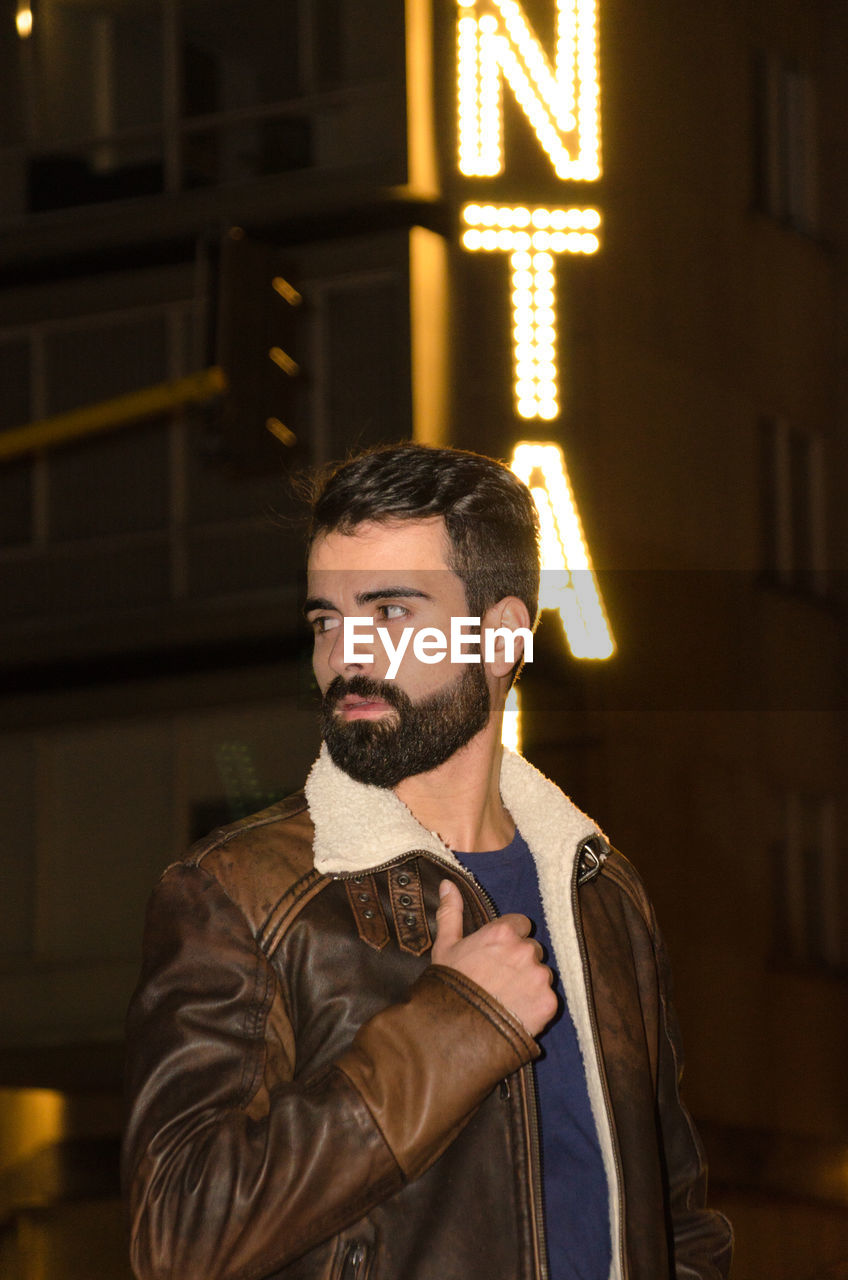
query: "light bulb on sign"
497, 46
23, 19
532, 290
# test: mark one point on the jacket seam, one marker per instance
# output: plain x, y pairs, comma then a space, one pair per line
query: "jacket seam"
301, 892
494, 1014
623, 878
255, 1023
694, 1136
224, 835
375, 1122
257, 1015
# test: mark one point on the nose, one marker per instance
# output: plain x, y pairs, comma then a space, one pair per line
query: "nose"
347, 652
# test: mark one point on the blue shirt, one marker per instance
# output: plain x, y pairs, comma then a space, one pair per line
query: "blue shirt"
573, 1175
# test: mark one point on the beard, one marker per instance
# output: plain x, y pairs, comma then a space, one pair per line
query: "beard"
415, 738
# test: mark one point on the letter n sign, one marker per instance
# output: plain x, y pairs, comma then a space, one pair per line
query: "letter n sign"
560, 101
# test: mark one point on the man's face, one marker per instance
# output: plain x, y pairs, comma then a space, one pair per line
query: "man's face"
396, 575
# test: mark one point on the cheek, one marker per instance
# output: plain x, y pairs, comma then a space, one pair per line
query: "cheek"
320, 664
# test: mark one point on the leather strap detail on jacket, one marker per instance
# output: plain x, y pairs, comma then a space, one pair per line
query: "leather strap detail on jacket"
368, 911
407, 901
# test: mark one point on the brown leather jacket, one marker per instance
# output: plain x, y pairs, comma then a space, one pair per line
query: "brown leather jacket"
310, 1097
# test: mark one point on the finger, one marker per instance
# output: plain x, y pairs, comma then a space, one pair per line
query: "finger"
520, 924
449, 914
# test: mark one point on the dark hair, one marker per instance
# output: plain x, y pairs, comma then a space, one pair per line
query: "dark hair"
489, 514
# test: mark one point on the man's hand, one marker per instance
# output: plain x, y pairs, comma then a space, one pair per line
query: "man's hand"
500, 957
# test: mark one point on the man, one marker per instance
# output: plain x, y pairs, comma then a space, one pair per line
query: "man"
331, 1050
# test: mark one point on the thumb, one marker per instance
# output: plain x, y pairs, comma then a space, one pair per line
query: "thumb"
449, 915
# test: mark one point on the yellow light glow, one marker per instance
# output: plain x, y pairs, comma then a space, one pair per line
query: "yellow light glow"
511, 728
533, 288
568, 580
23, 19
495, 42
490, 215
30, 1120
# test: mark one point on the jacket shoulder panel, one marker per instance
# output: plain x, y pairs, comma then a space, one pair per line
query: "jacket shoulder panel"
624, 875
264, 862
283, 810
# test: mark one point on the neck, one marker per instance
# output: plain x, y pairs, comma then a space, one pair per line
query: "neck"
461, 800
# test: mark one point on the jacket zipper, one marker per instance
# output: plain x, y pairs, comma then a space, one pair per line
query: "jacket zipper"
527, 1074
353, 1262
531, 1099
576, 880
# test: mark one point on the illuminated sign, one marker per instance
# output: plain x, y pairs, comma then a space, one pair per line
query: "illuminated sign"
558, 92
23, 19
532, 237
496, 43
568, 580
511, 728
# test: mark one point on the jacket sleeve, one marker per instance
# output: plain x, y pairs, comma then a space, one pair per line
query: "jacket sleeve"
232, 1170
702, 1237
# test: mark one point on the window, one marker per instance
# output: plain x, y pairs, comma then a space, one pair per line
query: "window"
792, 497
121, 519
785, 141
808, 889
148, 517
93, 84
112, 101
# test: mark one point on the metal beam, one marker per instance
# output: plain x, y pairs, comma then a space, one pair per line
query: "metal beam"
108, 415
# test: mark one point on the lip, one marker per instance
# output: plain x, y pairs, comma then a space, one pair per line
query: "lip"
352, 707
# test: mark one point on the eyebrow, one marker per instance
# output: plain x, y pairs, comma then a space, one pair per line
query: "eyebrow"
367, 597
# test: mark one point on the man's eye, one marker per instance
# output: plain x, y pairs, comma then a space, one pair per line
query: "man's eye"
324, 623
392, 611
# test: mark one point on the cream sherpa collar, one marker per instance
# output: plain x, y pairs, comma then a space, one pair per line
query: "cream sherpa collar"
359, 827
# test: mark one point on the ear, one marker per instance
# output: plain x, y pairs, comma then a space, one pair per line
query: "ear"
507, 635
